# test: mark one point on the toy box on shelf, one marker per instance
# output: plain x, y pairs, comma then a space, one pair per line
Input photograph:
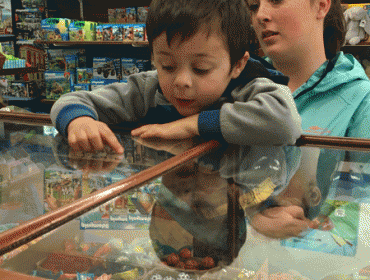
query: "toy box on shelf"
5, 17
28, 24
128, 68
20, 90
62, 186
82, 31
142, 13
122, 15
107, 68
36, 58
130, 211
55, 29
57, 84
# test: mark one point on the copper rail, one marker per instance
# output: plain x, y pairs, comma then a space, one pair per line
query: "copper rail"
32, 229
20, 235
305, 140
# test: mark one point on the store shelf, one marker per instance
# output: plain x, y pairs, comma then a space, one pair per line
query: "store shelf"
82, 43
20, 71
48, 101
7, 37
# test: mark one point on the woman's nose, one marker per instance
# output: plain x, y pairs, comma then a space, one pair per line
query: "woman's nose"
263, 14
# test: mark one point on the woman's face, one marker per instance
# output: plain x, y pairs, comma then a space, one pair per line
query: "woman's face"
283, 26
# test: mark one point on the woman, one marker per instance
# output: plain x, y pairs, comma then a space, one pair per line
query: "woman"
302, 38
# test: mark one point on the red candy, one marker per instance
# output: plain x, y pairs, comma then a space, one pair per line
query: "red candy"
173, 259
180, 265
191, 264
208, 262
185, 253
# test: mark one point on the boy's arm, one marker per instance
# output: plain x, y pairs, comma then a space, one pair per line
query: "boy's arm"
263, 113
111, 104
180, 129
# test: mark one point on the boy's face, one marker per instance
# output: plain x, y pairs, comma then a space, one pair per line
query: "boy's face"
194, 73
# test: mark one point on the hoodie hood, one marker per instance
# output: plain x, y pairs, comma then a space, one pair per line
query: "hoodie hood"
345, 69
330, 98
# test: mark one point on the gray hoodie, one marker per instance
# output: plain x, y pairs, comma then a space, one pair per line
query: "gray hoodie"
257, 108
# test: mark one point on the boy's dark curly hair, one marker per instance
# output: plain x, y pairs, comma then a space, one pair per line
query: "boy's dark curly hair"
230, 18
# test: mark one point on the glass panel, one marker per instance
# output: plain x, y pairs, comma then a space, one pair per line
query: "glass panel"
39, 174
237, 213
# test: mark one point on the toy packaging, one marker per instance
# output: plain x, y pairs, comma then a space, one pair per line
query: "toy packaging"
106, 68
142, 13
82, 31
107, 32
97, 83
7, 48
128, 67
111, 15
28, 24
33, 3
128, 33
76, 31
15, 89
79, 87
5, 89
131, 14
117, 32
36, 58
139, 34
121, 16
99, 32
143, 65
57, 83
61, 187
65, 59
84, 75
6, 17
119, 214
55, 29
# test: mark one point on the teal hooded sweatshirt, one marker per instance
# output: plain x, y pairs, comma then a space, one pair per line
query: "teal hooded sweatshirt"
335, 101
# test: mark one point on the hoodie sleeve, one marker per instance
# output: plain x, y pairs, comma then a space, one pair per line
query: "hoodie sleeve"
115, 103
263, 113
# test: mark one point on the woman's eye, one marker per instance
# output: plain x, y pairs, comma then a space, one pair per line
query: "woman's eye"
201, 71
253, 7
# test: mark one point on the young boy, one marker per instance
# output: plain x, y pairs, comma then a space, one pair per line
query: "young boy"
205, 84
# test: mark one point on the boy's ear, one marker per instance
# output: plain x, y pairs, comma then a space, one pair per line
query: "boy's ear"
323, 7
239, 66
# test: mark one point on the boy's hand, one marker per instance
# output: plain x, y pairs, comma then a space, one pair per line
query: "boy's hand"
281, 222
180, 129
89, 135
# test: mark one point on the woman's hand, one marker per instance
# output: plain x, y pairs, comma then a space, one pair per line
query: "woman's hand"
281, 222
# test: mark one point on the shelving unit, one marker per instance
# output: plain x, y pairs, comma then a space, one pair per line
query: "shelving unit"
7, 37
83, 43
20, 71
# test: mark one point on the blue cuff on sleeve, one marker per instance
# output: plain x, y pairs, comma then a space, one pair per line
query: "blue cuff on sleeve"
69, 113
209, 125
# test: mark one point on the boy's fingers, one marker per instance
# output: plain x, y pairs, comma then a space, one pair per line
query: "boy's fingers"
112, 141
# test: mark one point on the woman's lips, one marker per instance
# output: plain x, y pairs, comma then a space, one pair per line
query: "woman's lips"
185, 102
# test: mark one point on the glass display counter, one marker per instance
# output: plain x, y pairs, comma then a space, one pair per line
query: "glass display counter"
182, 210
